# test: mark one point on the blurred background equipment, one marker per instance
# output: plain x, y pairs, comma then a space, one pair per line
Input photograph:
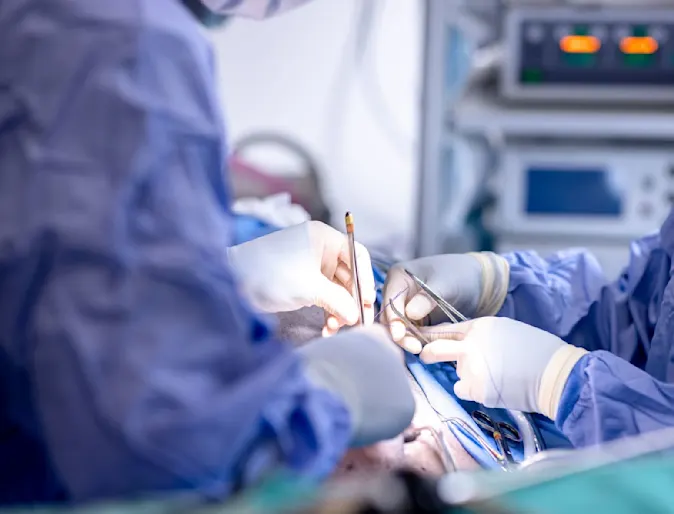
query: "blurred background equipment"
342, 79
601, 55
301, 181
546, 125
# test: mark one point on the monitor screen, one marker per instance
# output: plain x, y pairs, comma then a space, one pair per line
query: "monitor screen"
578, 192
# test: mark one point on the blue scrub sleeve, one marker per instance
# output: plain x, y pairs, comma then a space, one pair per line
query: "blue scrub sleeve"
623, 318
552, 293
608, 394
146, 369
567, 295
607, 398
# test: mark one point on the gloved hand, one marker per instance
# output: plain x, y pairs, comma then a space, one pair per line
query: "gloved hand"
475, 283
366, 370
504, 363
302, 266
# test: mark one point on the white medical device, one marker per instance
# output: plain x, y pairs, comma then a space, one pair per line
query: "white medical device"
579, 123
596, 193
598, 198
588, 55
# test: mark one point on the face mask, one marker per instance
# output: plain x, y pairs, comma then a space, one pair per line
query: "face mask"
257, 9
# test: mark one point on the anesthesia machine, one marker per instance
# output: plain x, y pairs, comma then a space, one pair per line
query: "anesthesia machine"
561, 114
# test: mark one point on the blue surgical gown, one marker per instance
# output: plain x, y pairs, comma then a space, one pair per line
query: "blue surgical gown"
625, 385
128, 361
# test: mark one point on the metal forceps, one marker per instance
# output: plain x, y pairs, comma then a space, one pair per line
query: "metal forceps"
527, 433
447, 308
412, 328
503, 433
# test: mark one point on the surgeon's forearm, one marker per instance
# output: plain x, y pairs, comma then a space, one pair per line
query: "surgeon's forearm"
171, 382
552, 293
147, 435
607, 398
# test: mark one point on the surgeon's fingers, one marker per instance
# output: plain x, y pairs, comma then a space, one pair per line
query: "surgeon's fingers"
334, 323
366, 275
336, 301
451, 331
397, 290
443, 350
331, 326
368, 291
420, 306
411, 344
343, 279
463, 391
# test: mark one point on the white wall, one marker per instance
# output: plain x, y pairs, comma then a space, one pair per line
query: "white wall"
284, 74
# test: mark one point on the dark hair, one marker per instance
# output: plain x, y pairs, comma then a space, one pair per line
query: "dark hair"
204, 14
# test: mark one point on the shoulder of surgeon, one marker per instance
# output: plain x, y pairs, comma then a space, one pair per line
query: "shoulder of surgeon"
40, 19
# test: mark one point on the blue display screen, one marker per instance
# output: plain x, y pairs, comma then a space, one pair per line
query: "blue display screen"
572, 192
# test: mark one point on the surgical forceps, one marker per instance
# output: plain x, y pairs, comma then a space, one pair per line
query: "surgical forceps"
501, 432
409, 325
528, 434
447, 308
467, 430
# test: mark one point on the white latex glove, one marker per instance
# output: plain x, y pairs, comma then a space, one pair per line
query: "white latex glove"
303, 266
504, 363
366, 370
475, 283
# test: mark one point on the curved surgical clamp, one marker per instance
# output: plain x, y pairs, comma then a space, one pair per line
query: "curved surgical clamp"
501, 432
530, 437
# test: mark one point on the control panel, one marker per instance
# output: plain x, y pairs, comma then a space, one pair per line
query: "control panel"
599, 55
594, 192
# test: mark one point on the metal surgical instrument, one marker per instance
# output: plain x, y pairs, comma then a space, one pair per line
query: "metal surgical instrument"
447, 308
412, 328
409, 325
501, 432
348, 218
526, 432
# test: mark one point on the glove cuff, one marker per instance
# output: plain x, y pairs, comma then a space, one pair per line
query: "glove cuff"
554, 378
495, 280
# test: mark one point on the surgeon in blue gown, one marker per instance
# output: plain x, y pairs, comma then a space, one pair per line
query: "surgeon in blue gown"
553, 335
134, 354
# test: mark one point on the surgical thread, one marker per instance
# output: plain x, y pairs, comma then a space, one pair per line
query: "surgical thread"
500, 459
462, 425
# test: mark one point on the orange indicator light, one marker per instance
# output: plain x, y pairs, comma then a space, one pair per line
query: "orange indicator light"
638, 45
580, 44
